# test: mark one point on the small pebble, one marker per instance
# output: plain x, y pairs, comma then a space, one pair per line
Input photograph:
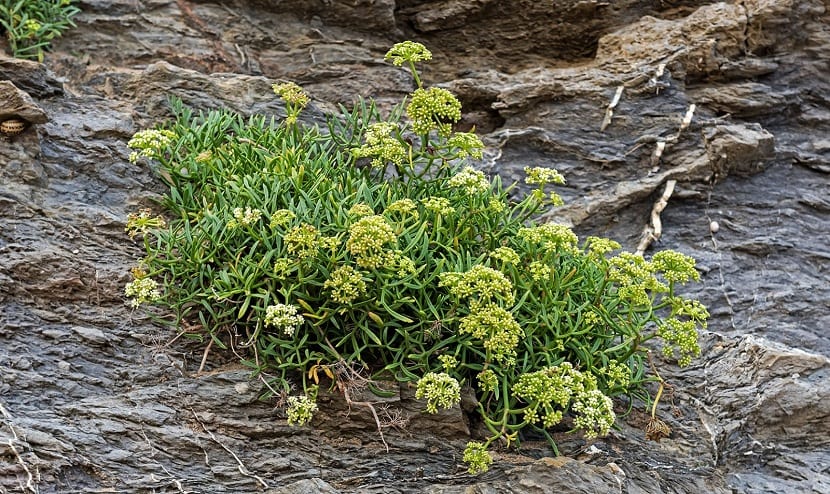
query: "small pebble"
714, 227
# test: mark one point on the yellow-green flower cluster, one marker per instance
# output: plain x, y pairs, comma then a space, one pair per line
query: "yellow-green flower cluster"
244, 217
304, 241
401, 264
282, 217
433, 108
617, 375
381, 145
487, 380
295, 100
142, 290
597, 246
403, 207
692, 309
551, 390
150, 143
408, 51
360, 210
477, 457
283, 267
680, 337
635, 277
542, 176
438, 205
480, 282
594, 413
284, 317
552, 237
32, 27
439, 389
496, 206
496, 328
367, 237
141, 222
300, 410
471, 180
466, 144
448, 362
675, 267
346, 284
539, 271
506, 255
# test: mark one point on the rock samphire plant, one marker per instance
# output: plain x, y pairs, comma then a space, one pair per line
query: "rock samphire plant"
371, 247
31, 25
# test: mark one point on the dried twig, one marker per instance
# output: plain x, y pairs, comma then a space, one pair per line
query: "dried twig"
653, 231
30, 479
242, 469
609, 113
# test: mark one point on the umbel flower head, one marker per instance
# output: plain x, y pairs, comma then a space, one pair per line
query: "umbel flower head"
433, 108
142, 289
300, 410
477, 457
469, 179
367, 238
440, 389
381, 145
408, 51
284, 317
150, 143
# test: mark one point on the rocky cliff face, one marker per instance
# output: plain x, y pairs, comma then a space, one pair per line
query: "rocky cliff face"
94, 397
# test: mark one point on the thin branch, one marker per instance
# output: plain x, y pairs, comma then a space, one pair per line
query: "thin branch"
242, 469
654, 231
30, 479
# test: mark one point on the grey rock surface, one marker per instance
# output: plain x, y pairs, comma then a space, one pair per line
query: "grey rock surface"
97, 398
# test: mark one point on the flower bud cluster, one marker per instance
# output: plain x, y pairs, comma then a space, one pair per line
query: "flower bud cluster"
552, 390
346, 284
594, 413
617, 375
284, 317
283, 267
150, 143
300, 410
433, 108
142, 222
480, 282
367, 238
471, 180
440, 206
597, 246
304, 241
680, 337
539, 271
381, 145
448, 362
542, 176
403, 207
295, 100
635, 277
487, 380
408, 51
360, 210
675, 267
466, 144
245, 217
439, 389
282, 217
552, 237
496, 328
506, 255
477, 457
142, 290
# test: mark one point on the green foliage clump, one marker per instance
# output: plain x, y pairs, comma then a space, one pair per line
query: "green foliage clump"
373, 245
31, 25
